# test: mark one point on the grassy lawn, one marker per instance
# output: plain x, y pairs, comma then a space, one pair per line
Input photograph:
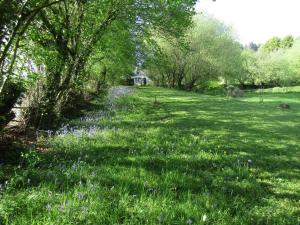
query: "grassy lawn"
188, 159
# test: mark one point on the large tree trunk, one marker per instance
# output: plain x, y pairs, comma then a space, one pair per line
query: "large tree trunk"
101, 81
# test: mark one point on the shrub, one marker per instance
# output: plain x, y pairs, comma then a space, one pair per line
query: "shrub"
8, 98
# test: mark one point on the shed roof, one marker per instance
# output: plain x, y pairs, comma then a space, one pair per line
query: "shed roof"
140, 76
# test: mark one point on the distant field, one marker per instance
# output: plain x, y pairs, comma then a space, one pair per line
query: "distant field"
184, 159
281, 89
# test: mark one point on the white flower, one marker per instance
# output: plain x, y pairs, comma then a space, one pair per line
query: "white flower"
61, 208
48, 207
189, 221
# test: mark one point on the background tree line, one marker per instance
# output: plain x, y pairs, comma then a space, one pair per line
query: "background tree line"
275, 63
209, 56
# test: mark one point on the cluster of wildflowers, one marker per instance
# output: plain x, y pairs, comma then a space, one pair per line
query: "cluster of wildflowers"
80, 195
66, 207
118, 92
90, 130
76, 165
101, 115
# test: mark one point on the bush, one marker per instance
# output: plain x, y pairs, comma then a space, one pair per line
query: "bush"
210, 88
8, 98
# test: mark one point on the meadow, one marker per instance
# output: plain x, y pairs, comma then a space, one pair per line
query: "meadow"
164, 156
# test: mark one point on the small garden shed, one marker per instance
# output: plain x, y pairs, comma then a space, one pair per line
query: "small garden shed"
141, 79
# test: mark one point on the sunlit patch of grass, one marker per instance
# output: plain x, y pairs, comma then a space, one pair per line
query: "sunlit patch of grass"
281, 89
191, 159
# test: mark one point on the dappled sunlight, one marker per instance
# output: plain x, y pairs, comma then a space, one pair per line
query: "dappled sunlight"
186, 155
138, 112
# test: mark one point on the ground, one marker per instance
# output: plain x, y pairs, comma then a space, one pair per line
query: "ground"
184, 158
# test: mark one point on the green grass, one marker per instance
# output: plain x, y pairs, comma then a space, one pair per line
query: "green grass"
190, 159
281, 89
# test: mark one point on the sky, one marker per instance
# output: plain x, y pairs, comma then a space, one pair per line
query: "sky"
256, 20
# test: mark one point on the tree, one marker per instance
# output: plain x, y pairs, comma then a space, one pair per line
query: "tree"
272, 44
253, 46
276, 67
208, 52
287, 42
70, 31
251, 69
15, 18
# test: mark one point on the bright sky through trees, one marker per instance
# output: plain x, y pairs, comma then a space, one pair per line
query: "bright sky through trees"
256, 20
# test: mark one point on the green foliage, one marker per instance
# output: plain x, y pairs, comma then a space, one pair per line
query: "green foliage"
211, 87
192, 159
287, 42
275, 68
64, 37
271, 45
251, 69
277, 90
8, 97
208, 52
31, 159
15, 19
275, 43
73, 38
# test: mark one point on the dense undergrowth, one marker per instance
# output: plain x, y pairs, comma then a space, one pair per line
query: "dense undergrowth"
183, 158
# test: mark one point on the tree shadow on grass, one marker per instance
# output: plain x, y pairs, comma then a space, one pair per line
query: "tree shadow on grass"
220, 178
247, 131
223, 178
